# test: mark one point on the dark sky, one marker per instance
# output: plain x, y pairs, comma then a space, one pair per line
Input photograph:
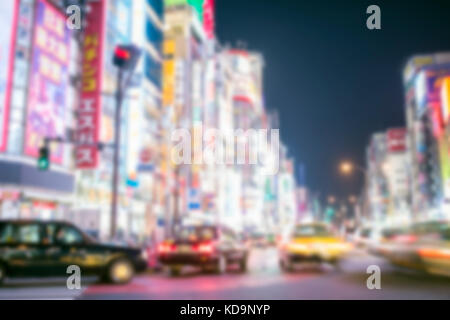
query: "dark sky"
333, 81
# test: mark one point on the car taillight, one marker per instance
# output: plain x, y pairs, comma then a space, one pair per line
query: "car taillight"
166, 248
205, 248
434, 253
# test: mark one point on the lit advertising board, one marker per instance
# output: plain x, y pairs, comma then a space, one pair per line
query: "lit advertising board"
437, 122
171, 3
8, 14
445, 99
416, 63
208, 18
444, 165
48, 83
204, 10
396, 140
243, 82
89, 111
210, 117
428, 86
168, 94
197, 93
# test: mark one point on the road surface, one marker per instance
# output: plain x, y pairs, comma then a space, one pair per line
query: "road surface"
263, 281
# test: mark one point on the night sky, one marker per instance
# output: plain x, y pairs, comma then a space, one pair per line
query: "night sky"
333, 81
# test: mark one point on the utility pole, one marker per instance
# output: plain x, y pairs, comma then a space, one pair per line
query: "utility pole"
116, 157
125, 59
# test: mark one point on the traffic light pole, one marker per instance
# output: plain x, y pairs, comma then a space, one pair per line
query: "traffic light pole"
117, 137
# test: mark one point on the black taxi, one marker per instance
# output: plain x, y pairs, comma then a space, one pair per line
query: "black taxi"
48, 248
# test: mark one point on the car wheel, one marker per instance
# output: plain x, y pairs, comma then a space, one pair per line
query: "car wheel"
285, 266
337, 266
2, 273
174, 271
120, 271
281, 264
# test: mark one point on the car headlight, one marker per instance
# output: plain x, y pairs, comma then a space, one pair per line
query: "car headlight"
297, 247
341, 246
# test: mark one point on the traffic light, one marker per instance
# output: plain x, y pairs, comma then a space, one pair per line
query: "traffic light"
44, 159
126, 57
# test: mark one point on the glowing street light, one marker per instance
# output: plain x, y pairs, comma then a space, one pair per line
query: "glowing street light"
331, 199
352, 199
346, 168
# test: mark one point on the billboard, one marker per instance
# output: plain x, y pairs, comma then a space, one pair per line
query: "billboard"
396, 139
242, 77
8, 18
208, 18
437, 121
204, 10
428, 86
89, 111
444, 162
168, 74
49, 80
445, 99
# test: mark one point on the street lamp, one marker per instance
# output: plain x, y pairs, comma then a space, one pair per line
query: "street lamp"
352, 199
331, 199
348, 167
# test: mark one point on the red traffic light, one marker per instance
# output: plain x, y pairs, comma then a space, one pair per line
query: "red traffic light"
126, 56
122, 53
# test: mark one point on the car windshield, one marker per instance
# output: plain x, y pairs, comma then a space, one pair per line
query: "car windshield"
312, 231
429, 227
445, 234
365, 233
197, 233
389, 233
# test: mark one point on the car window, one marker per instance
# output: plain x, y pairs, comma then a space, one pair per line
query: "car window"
49, 233
429, 227
228, 235
207, 233
6, 233
423, 229
68, 235
28, 233
366, 233
445, 234
197, 233
312, 231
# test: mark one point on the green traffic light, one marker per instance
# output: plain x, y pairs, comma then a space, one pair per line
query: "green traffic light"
43, 160
43, 164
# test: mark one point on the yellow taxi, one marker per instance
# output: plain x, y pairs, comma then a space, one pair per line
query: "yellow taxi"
313, 242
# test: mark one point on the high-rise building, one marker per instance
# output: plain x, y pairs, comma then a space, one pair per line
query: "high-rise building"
423, 115
61, 85
37, 100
